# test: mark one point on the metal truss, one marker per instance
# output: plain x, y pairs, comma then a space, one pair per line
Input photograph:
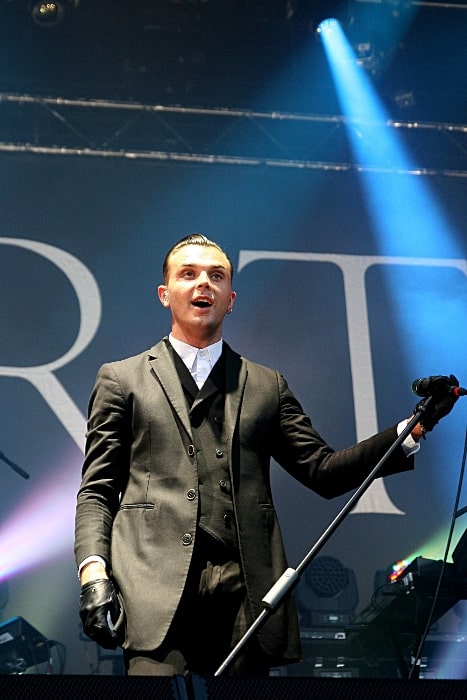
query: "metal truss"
458, 5
138, 131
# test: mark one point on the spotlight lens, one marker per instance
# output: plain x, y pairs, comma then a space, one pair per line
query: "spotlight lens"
48, 9
47, 13
326, 26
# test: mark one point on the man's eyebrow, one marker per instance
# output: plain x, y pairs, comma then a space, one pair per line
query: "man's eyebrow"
209, 267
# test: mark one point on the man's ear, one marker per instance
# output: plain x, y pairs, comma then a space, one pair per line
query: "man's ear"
163, 294
231, 303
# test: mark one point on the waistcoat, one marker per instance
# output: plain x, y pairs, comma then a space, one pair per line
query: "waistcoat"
206, 410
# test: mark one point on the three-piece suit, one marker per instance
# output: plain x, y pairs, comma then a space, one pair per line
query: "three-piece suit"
160, 464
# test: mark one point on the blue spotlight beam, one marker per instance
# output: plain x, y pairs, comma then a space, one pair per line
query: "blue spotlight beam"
404, 212
430, 312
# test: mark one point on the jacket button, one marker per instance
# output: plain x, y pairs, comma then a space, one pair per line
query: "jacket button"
227, 518
191, 495
219, 453
191, 450
187, 539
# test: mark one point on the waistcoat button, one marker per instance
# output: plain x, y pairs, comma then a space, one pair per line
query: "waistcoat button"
187, 539
219, 453
191, 450
191, 495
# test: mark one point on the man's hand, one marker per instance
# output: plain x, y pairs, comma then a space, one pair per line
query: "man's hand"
99, 610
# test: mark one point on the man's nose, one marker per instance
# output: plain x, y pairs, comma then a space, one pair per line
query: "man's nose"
203, 279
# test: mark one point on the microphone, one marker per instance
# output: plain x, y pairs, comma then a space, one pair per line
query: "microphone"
438, 385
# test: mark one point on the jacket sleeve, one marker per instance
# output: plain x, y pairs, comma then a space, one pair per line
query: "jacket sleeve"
300, 449
105, 468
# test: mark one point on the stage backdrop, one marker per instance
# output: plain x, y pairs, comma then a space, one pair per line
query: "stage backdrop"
81, 246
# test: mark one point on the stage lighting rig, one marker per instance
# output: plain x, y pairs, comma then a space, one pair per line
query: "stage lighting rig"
404, 99
369, 57
327, 596
49, 14
398, 7
309, 14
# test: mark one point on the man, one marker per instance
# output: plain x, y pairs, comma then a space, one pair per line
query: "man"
177, 539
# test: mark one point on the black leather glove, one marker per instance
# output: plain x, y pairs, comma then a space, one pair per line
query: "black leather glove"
441, 401
99, 610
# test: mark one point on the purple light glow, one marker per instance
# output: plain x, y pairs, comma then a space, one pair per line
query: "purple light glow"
42, 525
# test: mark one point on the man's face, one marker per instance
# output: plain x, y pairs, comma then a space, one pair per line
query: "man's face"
198, 292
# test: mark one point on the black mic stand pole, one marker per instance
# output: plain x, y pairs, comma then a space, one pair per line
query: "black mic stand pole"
14, 466
291, 577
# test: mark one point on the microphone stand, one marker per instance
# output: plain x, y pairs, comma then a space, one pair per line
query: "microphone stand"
291, 577
14, 466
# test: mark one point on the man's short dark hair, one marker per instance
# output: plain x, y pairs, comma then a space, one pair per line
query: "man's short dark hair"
193, 239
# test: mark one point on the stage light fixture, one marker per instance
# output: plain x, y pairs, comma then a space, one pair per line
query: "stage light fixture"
327, 596
325, 26
397, 7
49, 14
404, 99
366, 53
312, 14
368, 57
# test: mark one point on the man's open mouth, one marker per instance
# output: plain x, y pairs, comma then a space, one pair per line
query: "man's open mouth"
202, 303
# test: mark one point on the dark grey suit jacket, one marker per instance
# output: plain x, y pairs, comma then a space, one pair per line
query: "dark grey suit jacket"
133, 508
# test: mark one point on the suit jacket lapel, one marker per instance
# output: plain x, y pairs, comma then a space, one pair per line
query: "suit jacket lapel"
162, 364
235, 378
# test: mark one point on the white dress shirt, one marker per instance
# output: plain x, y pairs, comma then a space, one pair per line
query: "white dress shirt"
199, 361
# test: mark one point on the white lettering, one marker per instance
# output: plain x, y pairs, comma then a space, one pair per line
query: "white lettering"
353, 268
41, 376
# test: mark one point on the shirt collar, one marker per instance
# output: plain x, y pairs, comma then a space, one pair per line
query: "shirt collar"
188, 353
